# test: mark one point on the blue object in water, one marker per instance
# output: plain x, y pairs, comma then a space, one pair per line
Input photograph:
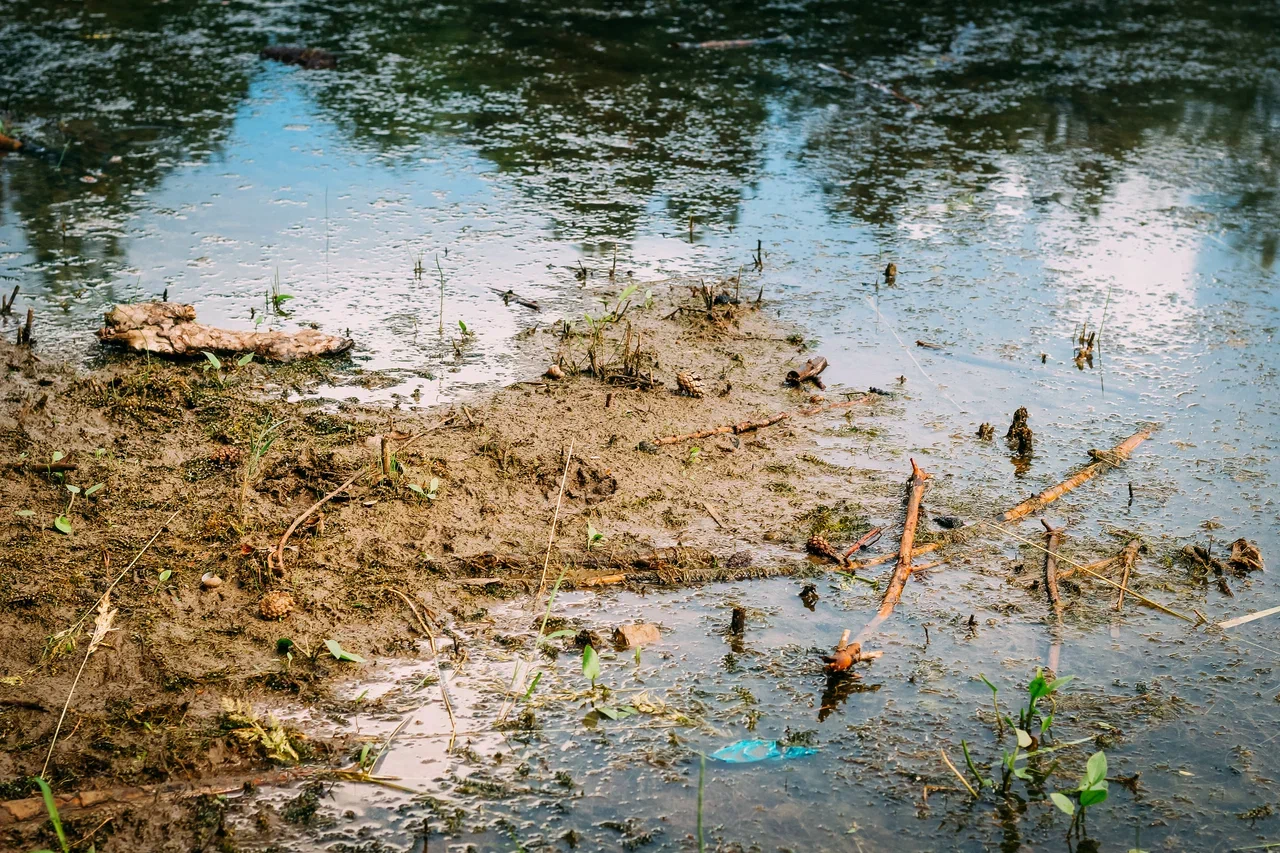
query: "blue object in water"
749, 751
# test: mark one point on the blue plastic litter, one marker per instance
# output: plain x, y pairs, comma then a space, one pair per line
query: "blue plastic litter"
749, 751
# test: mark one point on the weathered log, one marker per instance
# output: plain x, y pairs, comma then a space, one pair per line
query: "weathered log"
167, 328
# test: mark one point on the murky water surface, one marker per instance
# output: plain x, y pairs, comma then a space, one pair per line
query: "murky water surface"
1070, 163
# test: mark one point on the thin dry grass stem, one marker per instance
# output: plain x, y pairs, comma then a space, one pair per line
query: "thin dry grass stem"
1082, 568
963, 781
555, 519
102, 625
435, 659
75, 628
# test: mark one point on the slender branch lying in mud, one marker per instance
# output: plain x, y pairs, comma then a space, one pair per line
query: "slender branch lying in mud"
901, 572
750, 426
40, 467
1053, 540
867, 538
1103, 461
1085, 569
275, 559
1128, 557
963, 781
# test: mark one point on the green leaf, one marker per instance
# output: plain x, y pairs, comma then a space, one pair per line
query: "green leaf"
414, 487
57, 455
1096, 770
52, 808
75, 490
433, 487
1024, 739
165, 575
593, 535
1045, 722
533, 685
340, 653
1059, 682
463, 327
555, 635
93, 489
284, 645
1021, 773
24, 513
282, 297
244, 359
63, 524
994, 690
1038, 688
1063, 802
608, 711
214, 361
590, 664
1094, 795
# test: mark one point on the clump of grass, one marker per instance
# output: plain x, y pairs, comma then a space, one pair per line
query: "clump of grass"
837, 522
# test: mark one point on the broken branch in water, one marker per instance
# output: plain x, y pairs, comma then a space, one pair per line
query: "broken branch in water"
879, 87
729, 44
864, 540
1103, 461
809, 373
1128, 557
901, 572
509, 296
167, 328
846, 654
1053, 540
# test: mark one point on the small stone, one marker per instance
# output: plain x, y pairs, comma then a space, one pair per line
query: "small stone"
554, 372
634, 636
647, 447
210, 581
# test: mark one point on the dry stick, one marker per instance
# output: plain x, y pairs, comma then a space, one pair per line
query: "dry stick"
435, 657
1127, 559
278, 554
555, 518
1147, 601
749, 426
1053, 541
1241, 620
45, 467
869, 536
915, 494
1105, 460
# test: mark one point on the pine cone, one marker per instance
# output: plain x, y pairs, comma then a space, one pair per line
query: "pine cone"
226, 457
820, 547
690, 383
275, 605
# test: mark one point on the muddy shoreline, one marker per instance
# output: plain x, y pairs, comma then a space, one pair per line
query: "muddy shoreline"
215, 466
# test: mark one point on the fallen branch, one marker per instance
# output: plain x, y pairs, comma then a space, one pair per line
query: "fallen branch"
45, 467
167, 328
846, 654
750, 426
729, 44
879, 87
278, 554
865, 539
812, 368
901, 572
1128, 557
1243, 620
1053, 540
1103, 461
509, 296
435, 657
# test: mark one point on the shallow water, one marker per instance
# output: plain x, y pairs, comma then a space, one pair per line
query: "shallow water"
1071, 163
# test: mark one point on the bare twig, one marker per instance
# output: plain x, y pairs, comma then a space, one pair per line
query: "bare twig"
915, 495
275, 559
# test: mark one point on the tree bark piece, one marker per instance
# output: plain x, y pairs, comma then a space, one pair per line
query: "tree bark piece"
901, 572
1103, 461
167, 328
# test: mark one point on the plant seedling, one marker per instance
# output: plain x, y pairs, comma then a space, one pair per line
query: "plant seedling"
339, 653
431, 492
52, 808
1091, 791
593, 536
590, 664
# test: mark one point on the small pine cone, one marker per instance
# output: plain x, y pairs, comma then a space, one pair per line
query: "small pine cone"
226, 457
275, 605
820, 547
690, 383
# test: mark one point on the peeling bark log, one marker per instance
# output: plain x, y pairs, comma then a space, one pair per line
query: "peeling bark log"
167, 328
